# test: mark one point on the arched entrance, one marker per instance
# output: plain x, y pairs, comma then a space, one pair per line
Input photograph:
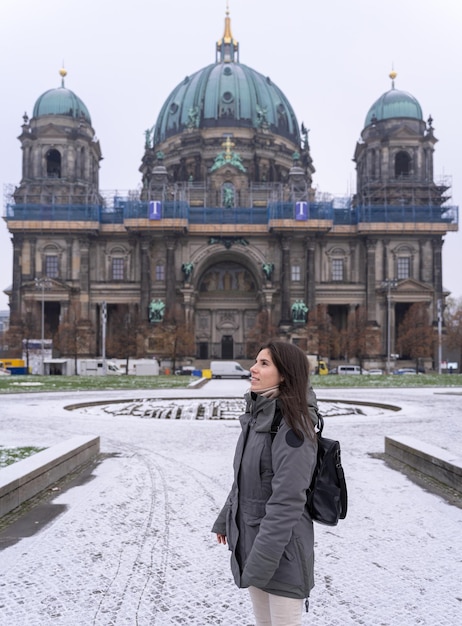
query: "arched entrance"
226, 310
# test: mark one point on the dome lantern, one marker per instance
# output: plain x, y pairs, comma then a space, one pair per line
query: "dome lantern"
394, 104
61, 101
227, 46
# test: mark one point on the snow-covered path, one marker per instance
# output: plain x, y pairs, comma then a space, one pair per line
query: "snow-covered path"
132, 545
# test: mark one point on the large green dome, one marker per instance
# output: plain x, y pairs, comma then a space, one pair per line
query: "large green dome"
61, 101
226, 94
392, 104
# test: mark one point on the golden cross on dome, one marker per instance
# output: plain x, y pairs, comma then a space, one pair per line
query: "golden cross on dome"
228, 145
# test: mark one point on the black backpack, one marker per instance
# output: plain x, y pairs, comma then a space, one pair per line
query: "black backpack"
327, 497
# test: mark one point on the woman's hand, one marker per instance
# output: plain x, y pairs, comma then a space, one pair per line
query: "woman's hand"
221, 539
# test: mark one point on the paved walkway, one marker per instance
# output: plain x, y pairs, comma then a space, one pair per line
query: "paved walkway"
131, 545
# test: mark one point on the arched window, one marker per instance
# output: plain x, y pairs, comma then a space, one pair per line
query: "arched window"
53, 159
402, 164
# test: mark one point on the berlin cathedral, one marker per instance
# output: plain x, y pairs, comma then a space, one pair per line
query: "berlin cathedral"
226, 239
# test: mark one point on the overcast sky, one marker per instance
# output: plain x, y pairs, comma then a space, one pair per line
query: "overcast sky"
330, 58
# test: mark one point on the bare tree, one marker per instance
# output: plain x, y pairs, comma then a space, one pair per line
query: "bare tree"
71, 339
415, 334
453, 326
363, 339
174, 341
122, 339
320, 324
29, 330
262, 331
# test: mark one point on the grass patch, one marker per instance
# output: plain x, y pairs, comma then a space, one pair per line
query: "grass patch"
387, 380
11, 455
29, 384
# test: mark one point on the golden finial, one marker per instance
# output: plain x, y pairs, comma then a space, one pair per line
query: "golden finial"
393, 75
227, 35
63, 74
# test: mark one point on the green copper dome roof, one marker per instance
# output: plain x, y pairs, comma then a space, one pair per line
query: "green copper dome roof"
226, 94
61, 101
394, 103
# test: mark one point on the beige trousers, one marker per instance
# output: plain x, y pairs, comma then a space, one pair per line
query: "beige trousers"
271, 610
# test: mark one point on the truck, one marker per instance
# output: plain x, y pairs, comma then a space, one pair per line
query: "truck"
228, 369
317, 365
13, 366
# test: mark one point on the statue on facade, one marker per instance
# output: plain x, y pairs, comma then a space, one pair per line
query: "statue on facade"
305, 132
193, 117
268, 269
299, 312
187, 269
156, 311
262, 116
228, 197
147, 137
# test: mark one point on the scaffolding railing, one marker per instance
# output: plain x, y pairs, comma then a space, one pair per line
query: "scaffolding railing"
126, 207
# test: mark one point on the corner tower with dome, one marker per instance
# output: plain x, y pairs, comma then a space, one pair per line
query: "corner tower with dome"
226, 241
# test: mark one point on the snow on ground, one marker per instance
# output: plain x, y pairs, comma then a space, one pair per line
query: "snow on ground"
132, 546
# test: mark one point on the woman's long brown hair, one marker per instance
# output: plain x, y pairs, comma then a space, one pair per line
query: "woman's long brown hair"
292, 363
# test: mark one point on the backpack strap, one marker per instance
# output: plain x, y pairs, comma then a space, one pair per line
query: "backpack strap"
276, 422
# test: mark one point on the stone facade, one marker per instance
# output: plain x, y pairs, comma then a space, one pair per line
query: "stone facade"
226, 239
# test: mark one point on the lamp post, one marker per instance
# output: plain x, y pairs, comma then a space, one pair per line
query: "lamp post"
103, 335
389, 284
440, 330
43, 283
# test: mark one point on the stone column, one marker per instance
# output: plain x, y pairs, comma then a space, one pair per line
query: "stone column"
170, 279
310, 279
84, 277
15, 298
371, 302
33, 253
285, 282
145, 277
188, 303
437, 245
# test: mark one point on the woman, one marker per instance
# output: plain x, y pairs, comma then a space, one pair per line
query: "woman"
264, 520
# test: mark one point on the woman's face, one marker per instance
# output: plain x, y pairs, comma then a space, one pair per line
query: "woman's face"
264, 372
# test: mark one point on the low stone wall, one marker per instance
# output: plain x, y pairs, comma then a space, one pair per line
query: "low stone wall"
430, 460
24, 479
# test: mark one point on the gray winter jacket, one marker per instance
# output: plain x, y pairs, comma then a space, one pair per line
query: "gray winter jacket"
268, 529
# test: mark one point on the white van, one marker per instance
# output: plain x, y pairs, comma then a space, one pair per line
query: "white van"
349, 369
95, 367
228, 369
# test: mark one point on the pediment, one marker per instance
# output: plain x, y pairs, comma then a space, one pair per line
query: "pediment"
51, 285
411, 285
405, 132
53, 131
